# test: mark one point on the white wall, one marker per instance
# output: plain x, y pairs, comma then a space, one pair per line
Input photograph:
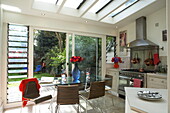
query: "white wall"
154, 33
168, 52
131, 31
1, 23
56, 24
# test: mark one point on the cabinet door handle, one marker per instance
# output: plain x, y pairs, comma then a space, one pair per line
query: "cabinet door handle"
151, 79
162, 81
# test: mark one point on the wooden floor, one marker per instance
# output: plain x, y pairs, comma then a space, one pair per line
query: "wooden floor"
107, 106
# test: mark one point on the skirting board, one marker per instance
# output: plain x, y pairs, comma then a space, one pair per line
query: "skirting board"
113, 92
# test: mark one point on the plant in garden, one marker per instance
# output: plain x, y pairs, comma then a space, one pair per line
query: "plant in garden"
55, 58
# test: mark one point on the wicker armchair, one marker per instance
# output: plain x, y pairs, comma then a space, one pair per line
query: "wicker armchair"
96, 90
67, 95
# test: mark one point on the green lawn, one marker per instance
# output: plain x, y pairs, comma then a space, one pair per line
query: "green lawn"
36, 75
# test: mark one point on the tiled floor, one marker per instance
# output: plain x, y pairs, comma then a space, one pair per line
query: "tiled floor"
107, 106
14, 95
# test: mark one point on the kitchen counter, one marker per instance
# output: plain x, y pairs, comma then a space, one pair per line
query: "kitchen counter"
114, 75
158, 74
137, 105
113, 69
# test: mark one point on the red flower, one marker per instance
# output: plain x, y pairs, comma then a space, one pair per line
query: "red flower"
116, 60
76, 59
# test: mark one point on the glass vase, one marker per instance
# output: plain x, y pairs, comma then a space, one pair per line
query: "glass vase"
76, 73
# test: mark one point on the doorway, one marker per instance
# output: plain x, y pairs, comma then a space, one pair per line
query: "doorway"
49, 53
89, 48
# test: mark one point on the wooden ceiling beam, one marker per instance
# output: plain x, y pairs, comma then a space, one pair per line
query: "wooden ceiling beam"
89, 8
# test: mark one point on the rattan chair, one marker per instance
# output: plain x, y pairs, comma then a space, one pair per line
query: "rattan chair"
67, 95
96, 90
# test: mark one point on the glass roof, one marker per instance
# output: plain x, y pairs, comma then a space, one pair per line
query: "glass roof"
98, 6
72, 3
97, 10
123, 7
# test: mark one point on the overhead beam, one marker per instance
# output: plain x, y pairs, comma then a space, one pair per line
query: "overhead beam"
139, 7
56, 2
81, 4
125, 8
89, 8
31, 3
61, 6
104, 6
108, 13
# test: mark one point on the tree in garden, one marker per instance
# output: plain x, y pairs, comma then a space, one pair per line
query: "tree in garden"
89, 53
55, 59
45, 40
49, 45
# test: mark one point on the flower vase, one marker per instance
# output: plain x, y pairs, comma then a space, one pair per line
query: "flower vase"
116, 65
76, 73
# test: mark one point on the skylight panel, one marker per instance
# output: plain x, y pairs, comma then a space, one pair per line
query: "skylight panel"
72, 3
59, 2
123, 7
98, 6
10, 8
51, 1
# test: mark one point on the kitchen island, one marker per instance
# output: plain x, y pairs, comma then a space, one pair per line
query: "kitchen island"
136, 105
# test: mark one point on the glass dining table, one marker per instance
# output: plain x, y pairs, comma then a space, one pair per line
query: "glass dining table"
83, 84
69, 81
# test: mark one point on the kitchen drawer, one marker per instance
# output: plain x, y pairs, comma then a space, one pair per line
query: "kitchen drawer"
154, 82
157, 80
157, 86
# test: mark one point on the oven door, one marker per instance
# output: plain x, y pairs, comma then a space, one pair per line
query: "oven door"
124, 81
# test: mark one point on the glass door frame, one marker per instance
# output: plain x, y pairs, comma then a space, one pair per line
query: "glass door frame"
103, 50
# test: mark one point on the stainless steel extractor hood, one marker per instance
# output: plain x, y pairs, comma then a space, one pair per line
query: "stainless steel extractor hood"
141, 40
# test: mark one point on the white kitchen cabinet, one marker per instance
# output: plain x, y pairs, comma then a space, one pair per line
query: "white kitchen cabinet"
114, 74
158, 81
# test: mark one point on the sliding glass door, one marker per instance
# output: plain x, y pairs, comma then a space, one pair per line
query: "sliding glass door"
49, 53
90, 49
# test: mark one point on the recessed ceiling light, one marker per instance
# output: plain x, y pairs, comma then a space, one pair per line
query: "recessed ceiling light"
43, 14
10, 8
86, 21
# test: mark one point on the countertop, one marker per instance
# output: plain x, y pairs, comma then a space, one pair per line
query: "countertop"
144, 106
160, 75
113, 69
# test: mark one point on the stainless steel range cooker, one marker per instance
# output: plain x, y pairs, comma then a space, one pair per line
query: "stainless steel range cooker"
127, 76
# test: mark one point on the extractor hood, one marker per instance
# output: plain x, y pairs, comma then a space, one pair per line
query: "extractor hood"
141, 40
